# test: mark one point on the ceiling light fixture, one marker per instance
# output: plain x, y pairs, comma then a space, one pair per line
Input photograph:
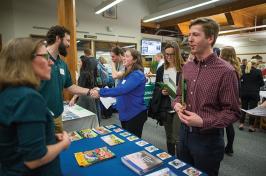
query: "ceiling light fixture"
242, 29
106, 5
149, 19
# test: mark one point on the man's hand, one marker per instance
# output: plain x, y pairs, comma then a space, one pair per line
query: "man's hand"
190, 118
72, 102
178, 107
95, 93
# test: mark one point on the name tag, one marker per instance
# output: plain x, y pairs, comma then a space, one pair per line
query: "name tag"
62, 71
123, 82
52, 114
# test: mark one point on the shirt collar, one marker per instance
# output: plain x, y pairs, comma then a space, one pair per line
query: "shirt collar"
52, 58
207, 61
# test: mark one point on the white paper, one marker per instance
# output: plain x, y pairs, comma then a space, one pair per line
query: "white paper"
74, 112
258, 111
107, 101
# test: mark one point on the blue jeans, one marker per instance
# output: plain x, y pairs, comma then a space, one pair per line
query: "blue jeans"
203, 150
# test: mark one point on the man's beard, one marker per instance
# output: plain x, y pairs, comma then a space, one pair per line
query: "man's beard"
62, 49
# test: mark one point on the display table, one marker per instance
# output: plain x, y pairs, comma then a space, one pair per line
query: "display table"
111, 167
77, 118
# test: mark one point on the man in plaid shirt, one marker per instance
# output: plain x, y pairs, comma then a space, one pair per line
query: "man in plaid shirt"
211, 100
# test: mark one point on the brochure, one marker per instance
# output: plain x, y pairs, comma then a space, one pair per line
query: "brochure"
112, 139
141, 162
163, 172
170, 87
101, 130
87, 133
90, 157
74, 136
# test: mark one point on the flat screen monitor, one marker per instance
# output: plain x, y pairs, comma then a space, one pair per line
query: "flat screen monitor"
150, 47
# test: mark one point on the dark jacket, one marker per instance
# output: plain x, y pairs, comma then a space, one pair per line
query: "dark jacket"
250, 83
160, 104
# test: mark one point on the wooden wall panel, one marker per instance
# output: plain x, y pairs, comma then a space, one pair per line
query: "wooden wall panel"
66, 12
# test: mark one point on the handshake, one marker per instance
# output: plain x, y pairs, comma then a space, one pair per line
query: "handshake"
94, 93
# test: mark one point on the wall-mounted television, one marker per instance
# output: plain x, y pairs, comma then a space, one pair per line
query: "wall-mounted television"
150, 47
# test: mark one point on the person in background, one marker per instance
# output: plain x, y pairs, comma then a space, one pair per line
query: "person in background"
130, 94
250, 83
228, 54
87, 79
58, 40
27, 139
217, 51
118, 68
106, 113
160, 59
207, 100
170, 70
102, 60
243, 64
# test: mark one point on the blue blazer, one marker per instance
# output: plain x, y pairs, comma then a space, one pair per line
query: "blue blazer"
130, 95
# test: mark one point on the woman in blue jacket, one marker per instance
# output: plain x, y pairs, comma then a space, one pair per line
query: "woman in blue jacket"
130, 94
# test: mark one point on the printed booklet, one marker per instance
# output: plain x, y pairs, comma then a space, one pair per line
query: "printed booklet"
101, 130
74, 136
169, 86
163, 172
90, 157
141, 162
87, 133
112, 139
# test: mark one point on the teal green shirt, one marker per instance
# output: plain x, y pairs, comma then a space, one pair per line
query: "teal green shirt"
26, 127
52, 90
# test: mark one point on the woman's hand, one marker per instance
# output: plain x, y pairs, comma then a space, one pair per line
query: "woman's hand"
95, 92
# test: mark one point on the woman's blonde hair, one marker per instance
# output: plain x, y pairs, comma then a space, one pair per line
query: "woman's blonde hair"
250, 64
178, 62
228, 53
102, 60
16, 63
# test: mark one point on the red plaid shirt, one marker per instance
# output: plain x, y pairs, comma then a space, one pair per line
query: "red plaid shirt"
212, 91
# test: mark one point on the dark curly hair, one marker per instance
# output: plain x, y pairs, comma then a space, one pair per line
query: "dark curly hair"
56, 31
118, 51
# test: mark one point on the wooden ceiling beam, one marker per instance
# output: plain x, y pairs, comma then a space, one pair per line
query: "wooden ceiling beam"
184, 27
242, 20
150, 25
229, 18
236, 5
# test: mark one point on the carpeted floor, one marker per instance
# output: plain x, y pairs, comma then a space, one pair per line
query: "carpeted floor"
249, 157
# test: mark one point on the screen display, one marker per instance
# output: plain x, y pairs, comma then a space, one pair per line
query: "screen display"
150, 47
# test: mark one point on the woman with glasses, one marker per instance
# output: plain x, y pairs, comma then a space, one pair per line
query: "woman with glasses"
27, 142
169, 72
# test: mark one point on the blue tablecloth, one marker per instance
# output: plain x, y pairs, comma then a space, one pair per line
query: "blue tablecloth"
111, 167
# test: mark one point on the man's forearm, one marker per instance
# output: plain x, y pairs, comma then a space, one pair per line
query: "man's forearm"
77, 90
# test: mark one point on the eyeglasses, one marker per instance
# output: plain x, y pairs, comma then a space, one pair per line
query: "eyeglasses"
46, 56
169, 54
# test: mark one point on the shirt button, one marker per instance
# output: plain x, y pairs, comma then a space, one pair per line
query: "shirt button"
191, 93
189, 105
205, 65
194, 80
